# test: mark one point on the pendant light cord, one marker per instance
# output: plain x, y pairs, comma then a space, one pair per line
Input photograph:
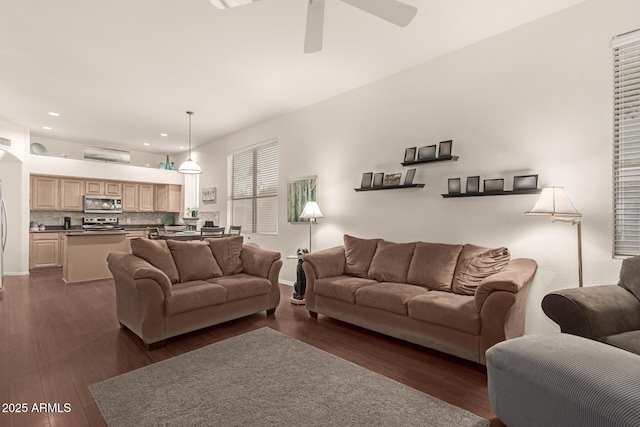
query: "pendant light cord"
190, 113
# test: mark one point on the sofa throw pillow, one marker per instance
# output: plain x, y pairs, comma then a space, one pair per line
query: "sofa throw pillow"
630, 275
391, 262
227, 253
156, 253
475, 264
358, 255
194, 260
433, 265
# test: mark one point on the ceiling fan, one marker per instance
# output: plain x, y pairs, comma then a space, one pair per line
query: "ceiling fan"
390, 10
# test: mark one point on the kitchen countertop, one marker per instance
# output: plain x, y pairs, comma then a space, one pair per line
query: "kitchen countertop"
94, 233
126, 227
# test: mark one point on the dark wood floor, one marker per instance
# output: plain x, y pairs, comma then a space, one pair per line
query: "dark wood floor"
56, 339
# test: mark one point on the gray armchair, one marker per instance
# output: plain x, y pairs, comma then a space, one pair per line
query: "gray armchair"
610, 313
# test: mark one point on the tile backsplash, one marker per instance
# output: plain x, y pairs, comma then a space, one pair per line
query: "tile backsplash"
55, 218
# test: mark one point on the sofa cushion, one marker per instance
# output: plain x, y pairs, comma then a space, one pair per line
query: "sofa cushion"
630, 275
475, 264
227, 253
242, 285
446, 309
629, 341
257, 262
193, 260
156, 253
358, 255
342, 288
391, 262
192, 295
433, 265
392, 297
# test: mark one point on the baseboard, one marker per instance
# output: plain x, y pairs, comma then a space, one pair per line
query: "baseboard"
286, 282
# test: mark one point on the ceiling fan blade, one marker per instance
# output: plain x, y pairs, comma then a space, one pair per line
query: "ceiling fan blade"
226, 4
389, 10
315, 25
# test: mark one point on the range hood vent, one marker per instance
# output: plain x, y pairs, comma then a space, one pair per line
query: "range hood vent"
5, 142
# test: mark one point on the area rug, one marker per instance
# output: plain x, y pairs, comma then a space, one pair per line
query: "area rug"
265, 378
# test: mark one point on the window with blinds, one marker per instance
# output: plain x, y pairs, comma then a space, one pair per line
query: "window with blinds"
626, 144
252, 189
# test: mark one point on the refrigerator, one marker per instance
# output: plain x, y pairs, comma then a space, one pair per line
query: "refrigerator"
3, 233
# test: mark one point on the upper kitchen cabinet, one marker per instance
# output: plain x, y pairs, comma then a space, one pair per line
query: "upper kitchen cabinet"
145, 203
71, 194
44, 194
167, 198
112, 188
93, 188
130, 198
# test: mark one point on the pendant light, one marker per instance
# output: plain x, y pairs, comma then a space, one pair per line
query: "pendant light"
189, 166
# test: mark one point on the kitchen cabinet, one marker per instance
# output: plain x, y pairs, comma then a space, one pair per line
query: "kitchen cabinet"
167, 198
44, 193
130, 200
112, 188
71, 194
134, 234
93, 187
145, 203
44, 250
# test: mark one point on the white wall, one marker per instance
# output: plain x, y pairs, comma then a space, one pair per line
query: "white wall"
536, 99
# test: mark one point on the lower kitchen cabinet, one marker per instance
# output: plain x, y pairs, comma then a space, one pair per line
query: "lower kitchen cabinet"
45, 250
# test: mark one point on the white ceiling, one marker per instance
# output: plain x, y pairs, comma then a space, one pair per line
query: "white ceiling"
121, 72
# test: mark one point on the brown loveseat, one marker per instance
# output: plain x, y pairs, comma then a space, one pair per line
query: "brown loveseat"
456, 299
168, 288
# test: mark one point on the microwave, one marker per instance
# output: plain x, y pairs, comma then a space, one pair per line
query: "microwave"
102, 204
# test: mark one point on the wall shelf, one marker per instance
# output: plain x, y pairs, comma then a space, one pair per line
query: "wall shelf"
435, 159
390, 187
492, 193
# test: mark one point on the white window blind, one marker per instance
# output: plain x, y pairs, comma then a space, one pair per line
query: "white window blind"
252, 188
626, 144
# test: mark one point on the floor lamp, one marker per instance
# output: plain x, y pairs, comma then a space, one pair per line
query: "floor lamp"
311, 212
553, 202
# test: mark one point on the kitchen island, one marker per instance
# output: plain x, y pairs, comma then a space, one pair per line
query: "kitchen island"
85, 254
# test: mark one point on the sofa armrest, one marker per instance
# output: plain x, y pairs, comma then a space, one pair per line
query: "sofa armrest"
258, 262
593, 312
137, 268
517, 275
326, 263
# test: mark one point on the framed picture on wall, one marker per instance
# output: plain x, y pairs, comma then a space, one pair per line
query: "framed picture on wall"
209, 194
493, 185
410, 155
445, 148
299, 192
525, 182
473, 184
378, 179
427, 152
408, 179
454, 186
367, 180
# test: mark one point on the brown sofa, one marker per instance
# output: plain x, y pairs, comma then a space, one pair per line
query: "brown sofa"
168, 288
456, 299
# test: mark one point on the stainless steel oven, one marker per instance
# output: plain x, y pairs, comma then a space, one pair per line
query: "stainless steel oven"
102, 204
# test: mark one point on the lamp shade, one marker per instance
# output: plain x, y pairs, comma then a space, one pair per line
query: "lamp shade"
553, 201
189, 167
311, 211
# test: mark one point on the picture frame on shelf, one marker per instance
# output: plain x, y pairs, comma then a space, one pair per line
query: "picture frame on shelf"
493, 185
408, 179
410, 155
525, 182
392, 179
427, 152
444, 149
367, 180
473, 184
378, 179
454, 186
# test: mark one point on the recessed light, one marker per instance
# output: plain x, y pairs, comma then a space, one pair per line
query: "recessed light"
163, 134
54, 114
145, 143
47, 128
180, 146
